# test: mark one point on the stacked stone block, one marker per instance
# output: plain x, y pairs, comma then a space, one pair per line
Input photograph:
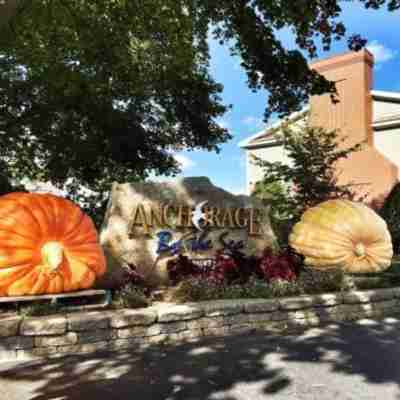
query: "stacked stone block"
89, 332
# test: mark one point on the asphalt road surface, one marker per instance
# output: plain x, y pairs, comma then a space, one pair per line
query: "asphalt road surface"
341, 361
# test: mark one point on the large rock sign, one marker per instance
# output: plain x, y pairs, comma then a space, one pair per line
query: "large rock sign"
147, 224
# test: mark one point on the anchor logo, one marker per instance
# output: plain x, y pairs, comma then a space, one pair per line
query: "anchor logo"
198, 215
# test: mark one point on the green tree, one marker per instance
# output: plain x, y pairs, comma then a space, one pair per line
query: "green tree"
95, 91
309, 177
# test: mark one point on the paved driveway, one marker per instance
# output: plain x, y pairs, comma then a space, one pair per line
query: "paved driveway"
342, 361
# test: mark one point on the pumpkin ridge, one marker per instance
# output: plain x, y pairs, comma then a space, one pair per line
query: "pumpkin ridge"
88, 279
50, 219
369, 246
309, 252
22, 286
82, 237
321, 220
8, 230
7, 243
10, 251
46, 222
74, 228
359, 217
41, 283
72, 213
53, 283
15, 261
98, 268
82, 233
57, 224
80, 247
66, 274
317, 232
34, 252
27, 209
380, 247
96, 261
91, 243
12, 274
377, 254
311, 248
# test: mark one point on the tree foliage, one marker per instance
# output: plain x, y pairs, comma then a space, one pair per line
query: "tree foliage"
97, 91
309, 177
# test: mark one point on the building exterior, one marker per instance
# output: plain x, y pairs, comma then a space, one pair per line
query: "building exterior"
361, 115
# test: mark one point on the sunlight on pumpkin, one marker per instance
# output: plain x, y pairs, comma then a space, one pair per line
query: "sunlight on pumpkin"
344, 234
47, 245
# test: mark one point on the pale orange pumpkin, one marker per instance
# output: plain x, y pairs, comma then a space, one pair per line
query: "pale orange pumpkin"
343, 234
47, 245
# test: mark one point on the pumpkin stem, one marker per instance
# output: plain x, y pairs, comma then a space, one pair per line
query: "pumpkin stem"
359, 250
52, 255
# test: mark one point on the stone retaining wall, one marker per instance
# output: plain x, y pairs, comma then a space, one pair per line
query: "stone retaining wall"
87, 332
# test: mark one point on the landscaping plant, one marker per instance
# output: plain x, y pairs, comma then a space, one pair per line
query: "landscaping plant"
130, 296
283, 266
236, 268
197, 289
308, 178
181, 268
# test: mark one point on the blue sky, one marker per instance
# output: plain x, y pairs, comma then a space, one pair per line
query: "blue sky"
227, 169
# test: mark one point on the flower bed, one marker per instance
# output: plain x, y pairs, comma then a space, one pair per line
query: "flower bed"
87, 332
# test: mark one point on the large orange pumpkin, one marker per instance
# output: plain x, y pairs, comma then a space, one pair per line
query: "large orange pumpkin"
47, 245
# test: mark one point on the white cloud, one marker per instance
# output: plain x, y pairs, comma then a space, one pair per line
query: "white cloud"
184, 162
381, 53
253, 122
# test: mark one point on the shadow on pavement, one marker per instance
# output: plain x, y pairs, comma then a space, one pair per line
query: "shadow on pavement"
348, 357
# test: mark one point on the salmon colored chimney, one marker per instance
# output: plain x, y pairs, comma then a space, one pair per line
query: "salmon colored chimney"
352, 116
371, 173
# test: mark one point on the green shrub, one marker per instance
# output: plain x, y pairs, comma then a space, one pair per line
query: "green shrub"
194, 289
310, 281
130, 296
253, 289
202, 290
276, 195
314, 281
281, 288
282, 229
390, 212
310, 177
